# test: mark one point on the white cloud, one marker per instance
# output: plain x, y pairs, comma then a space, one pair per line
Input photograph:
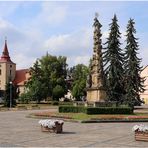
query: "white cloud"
74, 60
75, 43
30, 41
20, 44
51, 13
23, 61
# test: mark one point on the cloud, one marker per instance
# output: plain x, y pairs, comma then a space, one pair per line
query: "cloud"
61, 28
74, 60
74, 43
9, 30
20, 44
51, 13
22, 61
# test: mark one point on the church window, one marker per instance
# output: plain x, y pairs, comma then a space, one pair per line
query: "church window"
10, 72
10, 65
0, 71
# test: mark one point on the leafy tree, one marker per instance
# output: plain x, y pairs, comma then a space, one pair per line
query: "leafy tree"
13, 89
25, 98
113, 61
79, 71
133, 81
47, 75
58, 92
54, 72
78, 90
36, 87
79, 75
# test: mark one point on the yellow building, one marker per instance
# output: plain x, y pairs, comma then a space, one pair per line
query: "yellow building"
144, 95
8, 72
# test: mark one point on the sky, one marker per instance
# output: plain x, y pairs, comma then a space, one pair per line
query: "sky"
33, 28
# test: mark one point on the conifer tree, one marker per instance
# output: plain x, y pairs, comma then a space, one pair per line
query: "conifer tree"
133, 81
113, 60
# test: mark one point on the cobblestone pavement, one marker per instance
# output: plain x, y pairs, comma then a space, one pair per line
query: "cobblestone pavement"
18, 131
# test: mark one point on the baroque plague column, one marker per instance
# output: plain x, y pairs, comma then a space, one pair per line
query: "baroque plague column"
95, 81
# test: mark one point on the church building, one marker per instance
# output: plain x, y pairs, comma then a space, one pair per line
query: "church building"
8, 72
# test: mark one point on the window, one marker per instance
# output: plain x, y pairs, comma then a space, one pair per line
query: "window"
10, 65
10, 72
0, 71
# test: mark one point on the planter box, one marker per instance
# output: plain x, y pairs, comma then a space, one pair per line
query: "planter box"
57, 129
141, 136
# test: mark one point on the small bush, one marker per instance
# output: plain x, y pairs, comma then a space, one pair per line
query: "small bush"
72, 109
55, 103
109, 110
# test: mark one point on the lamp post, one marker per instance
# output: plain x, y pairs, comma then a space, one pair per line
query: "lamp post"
10, 94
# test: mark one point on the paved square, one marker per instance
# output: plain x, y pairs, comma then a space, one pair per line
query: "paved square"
17, 130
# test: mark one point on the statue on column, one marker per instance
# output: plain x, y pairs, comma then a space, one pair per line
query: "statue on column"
95, 79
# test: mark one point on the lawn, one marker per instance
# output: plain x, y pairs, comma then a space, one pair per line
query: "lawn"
83, 116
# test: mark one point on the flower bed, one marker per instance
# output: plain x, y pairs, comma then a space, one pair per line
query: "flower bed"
141, 132
51, 125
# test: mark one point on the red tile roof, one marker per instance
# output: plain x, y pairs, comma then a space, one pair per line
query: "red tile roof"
20, 77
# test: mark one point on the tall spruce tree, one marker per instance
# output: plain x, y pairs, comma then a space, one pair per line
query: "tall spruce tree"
113, 61
133, 81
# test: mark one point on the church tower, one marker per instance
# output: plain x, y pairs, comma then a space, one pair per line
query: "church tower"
7, 68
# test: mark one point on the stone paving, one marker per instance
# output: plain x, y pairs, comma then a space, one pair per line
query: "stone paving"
18, 131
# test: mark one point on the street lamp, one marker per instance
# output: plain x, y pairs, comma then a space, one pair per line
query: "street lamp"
10, 94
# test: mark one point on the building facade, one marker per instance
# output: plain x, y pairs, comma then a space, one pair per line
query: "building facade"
144, 95
8, 72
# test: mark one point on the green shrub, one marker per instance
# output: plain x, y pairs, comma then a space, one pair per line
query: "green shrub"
109, 110
55, 103
72, 109
96, 110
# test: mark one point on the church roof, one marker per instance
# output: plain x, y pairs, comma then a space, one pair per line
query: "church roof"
21, 76
5, 54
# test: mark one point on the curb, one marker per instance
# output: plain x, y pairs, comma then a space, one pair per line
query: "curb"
112, 121
43, 117
89, 121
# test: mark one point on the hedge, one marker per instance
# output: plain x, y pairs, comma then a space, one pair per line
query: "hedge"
95, 110
109, 110
72, 109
